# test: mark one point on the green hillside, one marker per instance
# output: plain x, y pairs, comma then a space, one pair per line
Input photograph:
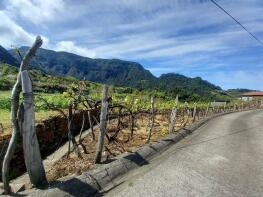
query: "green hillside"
6, 57
123, 73
238, 92
42, 82
110, 71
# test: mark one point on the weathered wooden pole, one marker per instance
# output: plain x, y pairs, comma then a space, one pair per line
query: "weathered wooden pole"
194, 112
173, 117
103, 123
14, 113
213, 108
32, 154
188, 113
207, 109
151, 120
15, 134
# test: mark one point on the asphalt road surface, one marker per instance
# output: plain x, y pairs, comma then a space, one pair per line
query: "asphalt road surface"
222, 158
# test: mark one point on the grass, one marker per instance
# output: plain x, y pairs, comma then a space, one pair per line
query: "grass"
6, 122
57, 99
5, 118
5, 94
41, 112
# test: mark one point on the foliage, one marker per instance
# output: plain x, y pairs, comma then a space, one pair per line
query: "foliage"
6, 57
238, 92
164, 131
125, 73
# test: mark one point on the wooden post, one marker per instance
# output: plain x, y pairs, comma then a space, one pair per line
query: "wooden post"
103, 123
32, 155
188, 113
194, 112
173, 117
14, 112
151, 120
207, 110
13, 141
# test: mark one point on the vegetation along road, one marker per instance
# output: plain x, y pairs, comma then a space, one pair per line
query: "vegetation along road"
222, 158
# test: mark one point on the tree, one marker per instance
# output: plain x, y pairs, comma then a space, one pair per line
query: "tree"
22, 117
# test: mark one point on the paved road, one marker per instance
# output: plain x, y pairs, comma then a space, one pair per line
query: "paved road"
222, 158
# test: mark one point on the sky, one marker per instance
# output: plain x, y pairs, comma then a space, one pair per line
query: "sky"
189, 37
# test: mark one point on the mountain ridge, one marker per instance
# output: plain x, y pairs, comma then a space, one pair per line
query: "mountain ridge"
122, 73
6, 57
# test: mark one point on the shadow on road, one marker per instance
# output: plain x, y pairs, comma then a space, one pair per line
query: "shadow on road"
136, 158
75, 187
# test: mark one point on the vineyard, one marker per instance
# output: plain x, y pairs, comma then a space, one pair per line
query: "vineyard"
131, 121
96, 122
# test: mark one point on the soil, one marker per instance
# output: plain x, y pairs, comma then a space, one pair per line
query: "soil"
73, 165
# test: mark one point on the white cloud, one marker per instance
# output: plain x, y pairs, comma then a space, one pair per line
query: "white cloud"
172, 35
11, 33
71, 47
152, 45
36, 11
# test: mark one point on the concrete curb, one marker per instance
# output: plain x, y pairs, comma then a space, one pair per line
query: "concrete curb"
91, 182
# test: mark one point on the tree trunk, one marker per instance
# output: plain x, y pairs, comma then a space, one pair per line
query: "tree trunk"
194, 113
103, 123
32, 155
14, 109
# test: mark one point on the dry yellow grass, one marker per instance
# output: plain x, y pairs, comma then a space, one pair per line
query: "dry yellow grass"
6, 122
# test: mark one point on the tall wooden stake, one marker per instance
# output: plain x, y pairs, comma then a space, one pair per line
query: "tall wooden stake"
32, 155
173, 117
14, 113
207, 110
194, 112
151, 120
103, 123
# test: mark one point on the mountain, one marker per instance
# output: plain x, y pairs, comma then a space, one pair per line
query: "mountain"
6, 57
189, 87
238, 92
123, 73
110, 71
42, 82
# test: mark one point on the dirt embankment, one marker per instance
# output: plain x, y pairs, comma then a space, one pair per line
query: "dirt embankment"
51, 133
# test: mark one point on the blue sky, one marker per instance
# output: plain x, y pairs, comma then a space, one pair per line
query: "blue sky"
190, 37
